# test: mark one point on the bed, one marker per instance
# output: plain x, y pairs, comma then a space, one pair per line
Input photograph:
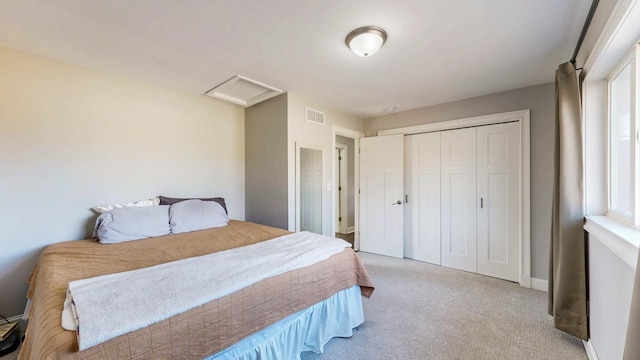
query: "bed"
212, 330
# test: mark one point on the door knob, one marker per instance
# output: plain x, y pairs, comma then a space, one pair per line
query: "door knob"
397, 203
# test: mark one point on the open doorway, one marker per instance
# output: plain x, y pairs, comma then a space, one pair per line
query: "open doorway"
345, 188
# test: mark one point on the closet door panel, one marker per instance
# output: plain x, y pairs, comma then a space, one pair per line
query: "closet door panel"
499, 189
495, 220
458, 201
382, 192
423, 189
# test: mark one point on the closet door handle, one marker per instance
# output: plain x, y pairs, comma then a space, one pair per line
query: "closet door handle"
481, 203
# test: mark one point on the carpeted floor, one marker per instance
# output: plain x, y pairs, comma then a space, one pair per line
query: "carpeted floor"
423, 311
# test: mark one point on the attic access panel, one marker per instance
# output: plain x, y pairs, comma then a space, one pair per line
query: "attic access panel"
243, 91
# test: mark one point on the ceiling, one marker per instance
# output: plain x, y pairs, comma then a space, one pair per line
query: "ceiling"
437, 51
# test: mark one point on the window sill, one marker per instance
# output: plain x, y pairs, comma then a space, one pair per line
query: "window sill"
622, 239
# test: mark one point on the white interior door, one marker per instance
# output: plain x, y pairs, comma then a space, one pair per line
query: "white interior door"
422, 211
381, 195
458, 182
311, 190
498, 159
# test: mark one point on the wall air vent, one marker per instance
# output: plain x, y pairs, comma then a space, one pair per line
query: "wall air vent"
315, 116
242, 91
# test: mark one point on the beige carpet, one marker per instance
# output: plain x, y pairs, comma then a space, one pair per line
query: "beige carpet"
423, 311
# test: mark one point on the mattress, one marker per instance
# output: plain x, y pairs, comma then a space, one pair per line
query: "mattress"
196, 333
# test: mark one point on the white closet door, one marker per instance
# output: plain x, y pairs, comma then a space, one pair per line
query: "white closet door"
459, 201
382, 192
423, 190
499, 191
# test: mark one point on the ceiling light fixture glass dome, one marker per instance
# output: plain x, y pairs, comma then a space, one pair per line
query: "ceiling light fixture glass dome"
366, 41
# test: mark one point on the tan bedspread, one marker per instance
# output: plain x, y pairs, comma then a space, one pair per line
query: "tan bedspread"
197, 333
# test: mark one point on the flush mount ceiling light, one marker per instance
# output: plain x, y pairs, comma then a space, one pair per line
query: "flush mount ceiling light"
366, 41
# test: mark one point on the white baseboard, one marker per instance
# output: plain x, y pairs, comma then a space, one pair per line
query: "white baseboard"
351, 229
591, 351
539, 284
15, 318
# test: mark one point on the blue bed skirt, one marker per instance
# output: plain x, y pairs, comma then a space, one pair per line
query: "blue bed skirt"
307, 330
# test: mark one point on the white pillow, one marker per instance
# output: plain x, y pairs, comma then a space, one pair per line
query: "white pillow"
132, 223
192, 215
108, 207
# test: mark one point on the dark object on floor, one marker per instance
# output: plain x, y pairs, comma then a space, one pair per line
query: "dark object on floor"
11, 343
346, 237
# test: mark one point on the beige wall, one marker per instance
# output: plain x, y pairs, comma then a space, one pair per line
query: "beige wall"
270, 184
306, 132
540, 100
72, 138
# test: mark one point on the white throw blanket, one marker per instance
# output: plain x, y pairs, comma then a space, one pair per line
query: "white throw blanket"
104, 307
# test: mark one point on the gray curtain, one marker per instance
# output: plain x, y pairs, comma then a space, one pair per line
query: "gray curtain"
567, 264
632, 345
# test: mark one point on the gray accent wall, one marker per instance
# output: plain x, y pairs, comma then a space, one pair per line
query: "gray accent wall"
540, 100
266, 193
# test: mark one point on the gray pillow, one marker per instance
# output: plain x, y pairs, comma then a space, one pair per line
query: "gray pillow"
192, 215
170, 201
132, 223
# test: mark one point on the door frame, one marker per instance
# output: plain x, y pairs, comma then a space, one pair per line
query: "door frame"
523, 117
356, 136
342, 182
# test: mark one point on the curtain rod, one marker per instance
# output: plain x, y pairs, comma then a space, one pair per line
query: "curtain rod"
585, 28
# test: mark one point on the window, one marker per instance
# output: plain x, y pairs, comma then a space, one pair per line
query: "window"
623, 127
